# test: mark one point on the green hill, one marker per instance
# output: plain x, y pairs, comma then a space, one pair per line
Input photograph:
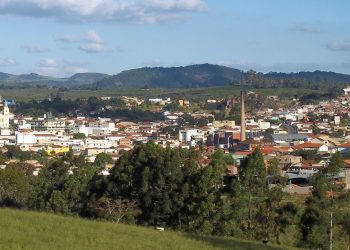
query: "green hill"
192, 76
201, 75
209, 75
85, 78
32, 79
32, 230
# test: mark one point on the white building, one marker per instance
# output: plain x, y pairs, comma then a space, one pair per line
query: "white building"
347, 90
74, 129
100, 144
264, 125
189, 135
25, 138
4, 117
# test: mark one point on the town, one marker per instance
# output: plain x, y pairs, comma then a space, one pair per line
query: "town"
302, 138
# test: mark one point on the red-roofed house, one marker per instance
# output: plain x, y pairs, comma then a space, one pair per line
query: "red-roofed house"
312, 146
344, 148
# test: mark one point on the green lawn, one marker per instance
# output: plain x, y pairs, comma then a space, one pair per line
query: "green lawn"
33, 230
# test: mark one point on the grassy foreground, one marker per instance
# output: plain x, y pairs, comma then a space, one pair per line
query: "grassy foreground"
32, 230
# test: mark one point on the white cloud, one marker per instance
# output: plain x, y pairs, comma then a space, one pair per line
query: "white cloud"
90, 36
92, 48
339, 46
68, 38
307, 28
90, 42
93, 37
48, 63
8, 61
66, 68
136, 11
31, 49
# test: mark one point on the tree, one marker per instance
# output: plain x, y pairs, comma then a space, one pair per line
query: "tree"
285, 216
269, 131
345, 226
115, 210
253, 175
315, 129
267, 215
51, 178
103, 158
57, 203
314, 220
79, 136
168, 185
14, 186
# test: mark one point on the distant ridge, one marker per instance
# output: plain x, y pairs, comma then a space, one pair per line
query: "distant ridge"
192, 76
209, 75
32, 79
200, 75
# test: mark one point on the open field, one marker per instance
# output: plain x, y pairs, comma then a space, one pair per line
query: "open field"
33, 230
193, 93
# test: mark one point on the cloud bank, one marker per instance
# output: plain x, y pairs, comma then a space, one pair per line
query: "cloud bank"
131, 11
90, 42
307, 28
339, 46
50, 67
8, 61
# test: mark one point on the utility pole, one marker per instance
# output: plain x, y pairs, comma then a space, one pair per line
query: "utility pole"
331, 233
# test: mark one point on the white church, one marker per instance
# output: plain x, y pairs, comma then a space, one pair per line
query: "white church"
4, 115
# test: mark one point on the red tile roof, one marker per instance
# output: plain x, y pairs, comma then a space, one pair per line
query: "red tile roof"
307, 145
345, 145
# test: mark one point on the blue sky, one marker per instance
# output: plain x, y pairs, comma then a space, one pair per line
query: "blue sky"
63, 37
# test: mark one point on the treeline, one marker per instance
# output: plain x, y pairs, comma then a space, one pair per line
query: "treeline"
303, 80
157, 186
91, 106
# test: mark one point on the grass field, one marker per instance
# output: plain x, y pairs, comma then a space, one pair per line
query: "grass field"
39, 231
194, 93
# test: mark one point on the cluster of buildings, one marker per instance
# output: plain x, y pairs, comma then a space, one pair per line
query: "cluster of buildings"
282, 134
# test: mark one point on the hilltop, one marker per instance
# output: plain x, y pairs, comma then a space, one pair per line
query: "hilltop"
201, 75
192, 76
33, 230
32, 79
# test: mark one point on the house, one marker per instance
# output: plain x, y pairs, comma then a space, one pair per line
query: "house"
191, 135
344, 148
312, 146
56, 150
287, 139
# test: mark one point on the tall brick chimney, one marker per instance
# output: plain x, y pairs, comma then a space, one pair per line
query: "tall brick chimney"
243, 136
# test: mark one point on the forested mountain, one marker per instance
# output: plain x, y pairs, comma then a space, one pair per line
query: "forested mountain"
32, 79
200, 75
85, 78
208, 75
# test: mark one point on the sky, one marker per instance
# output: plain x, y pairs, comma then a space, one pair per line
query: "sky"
63, 37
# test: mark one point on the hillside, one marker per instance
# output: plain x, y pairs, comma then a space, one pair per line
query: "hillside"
209, 75
32, 79
85, 78
315, 77
32, 230
192, 76
201, 75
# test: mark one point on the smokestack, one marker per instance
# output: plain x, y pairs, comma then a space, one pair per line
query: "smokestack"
243, 137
